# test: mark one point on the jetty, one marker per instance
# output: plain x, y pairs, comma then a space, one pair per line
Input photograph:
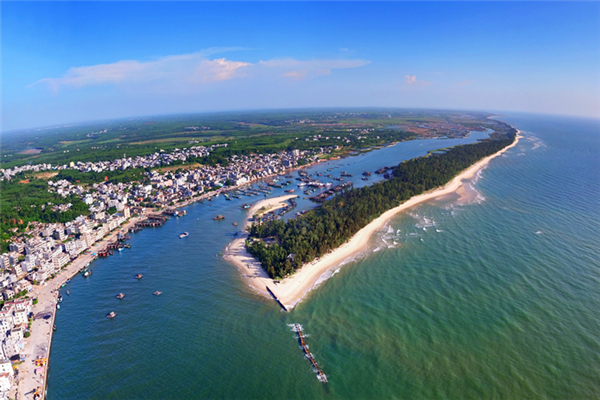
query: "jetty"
320, 375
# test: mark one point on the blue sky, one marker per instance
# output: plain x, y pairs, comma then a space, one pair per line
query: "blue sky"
72, 62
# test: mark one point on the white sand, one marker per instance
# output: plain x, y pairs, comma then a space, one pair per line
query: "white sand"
291, 290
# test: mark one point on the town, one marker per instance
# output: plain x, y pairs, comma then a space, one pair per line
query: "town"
44, 250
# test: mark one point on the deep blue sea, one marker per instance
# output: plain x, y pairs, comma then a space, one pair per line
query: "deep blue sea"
492, 297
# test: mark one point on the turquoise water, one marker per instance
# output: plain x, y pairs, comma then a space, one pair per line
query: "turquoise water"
493, 298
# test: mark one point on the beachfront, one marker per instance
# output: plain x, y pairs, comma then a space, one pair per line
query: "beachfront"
37, 346
292, 290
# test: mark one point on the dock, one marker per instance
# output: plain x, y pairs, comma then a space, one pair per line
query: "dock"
277, 299
320, 375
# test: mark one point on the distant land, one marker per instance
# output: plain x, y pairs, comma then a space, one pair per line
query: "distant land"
277, 130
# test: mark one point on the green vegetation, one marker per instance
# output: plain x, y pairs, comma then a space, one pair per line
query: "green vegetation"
243, 132
325, 228
27, 334
27, 202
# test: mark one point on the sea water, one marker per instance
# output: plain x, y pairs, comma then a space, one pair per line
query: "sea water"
495, 296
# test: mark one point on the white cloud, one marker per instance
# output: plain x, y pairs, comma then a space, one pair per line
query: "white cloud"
218, 70
192, 67
411, 80
189, 71
299, 69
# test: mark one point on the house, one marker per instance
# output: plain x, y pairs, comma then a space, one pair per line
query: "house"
5, 382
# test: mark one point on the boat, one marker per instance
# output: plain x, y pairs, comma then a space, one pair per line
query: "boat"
68, 294
120, 248
120, 296
138, 276
245, 206
60, 298
87, 273
111, 315
157, 293
218, 217
184, 234
290, 191
58, 306
53, 327
235, 224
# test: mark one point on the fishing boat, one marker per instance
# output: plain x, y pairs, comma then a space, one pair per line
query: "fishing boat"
184, 234
235, 224
218, 217
68, 294
138, 276
120, 296
157, 293
58, 306
111, 315
87, 273
60, 298
245, 206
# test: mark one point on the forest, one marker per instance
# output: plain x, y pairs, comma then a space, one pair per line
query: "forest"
301, 240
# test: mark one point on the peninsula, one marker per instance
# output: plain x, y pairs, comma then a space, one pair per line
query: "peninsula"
258, 260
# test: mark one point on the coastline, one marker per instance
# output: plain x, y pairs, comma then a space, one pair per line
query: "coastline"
39, 343
235, 252
292, 290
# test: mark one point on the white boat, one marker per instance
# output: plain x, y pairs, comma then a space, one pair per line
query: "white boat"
184, 234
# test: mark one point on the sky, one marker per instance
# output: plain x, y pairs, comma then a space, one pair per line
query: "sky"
67, 62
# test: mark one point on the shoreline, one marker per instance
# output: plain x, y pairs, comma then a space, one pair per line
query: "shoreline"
293, 289
40, 341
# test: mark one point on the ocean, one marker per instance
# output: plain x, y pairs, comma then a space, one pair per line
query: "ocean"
495, 296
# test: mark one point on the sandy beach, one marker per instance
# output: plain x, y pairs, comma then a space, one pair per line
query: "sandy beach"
236, 253
292, 290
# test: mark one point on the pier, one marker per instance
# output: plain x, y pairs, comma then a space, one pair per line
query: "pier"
320, 375
276, 299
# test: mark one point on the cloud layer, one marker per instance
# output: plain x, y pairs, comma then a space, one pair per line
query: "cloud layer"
193, 69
